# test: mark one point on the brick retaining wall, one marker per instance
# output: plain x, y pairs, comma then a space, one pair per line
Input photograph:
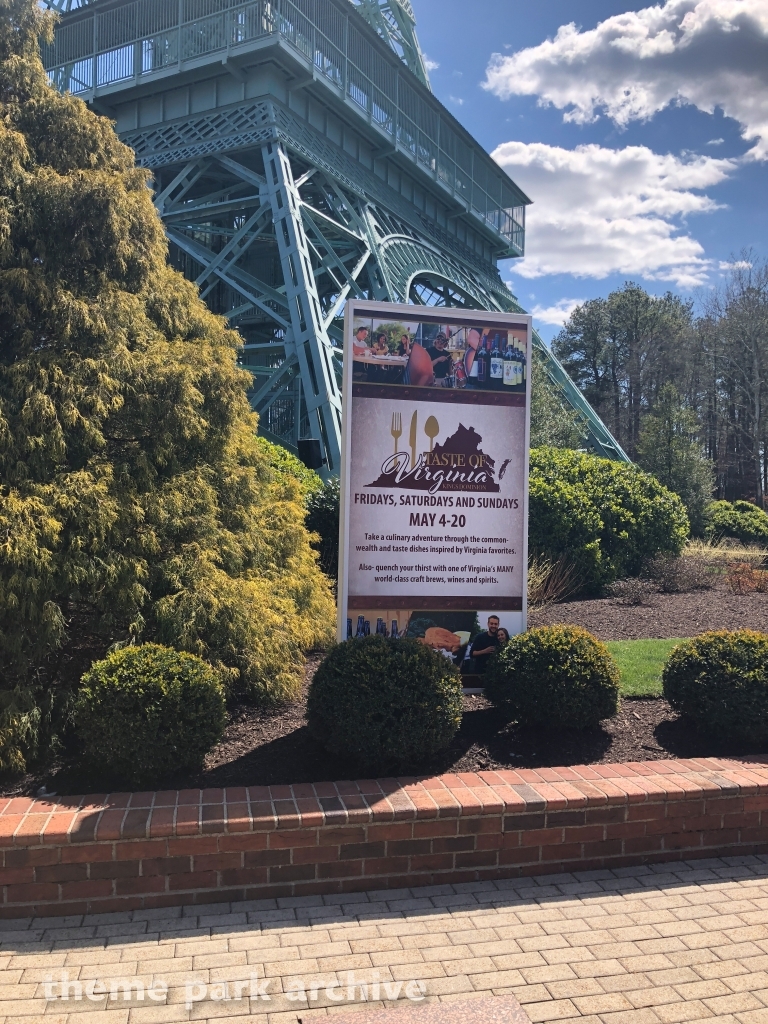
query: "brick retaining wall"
129, 850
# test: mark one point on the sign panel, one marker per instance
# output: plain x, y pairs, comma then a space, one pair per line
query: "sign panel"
434, 507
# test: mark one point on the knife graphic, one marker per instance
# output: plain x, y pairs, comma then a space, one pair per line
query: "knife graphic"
412, 439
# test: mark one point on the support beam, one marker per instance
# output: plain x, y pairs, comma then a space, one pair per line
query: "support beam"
313, 346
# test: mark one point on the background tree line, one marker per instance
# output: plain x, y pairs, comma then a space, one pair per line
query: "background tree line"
683, 392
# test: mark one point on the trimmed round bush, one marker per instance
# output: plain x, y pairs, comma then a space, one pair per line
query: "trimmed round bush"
558, 677
386, 704
145, 712
603, 517
720, 680
740, 520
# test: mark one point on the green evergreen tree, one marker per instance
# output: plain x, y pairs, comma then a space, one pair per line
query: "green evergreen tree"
669, 447
135, 501
553, 423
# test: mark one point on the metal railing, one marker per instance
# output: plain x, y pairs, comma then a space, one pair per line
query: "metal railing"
97, 50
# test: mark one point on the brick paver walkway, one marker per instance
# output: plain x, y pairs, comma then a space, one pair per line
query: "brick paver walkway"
653, 945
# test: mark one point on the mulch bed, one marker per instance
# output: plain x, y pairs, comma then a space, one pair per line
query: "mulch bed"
275, 747
661, 615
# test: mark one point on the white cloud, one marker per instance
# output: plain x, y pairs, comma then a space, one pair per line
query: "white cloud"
709, 53
430, 65
715, 142
558, 313
599, 211
457, 100
736, 265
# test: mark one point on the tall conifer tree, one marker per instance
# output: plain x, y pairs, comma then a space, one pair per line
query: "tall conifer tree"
134, 499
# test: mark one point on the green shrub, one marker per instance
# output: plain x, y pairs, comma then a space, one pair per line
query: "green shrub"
285, 463
323, 519
145, 712
385, 704
559, 677
740, 520
605, 517
720, 680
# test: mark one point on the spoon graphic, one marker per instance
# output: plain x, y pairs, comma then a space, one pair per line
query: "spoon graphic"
431, 429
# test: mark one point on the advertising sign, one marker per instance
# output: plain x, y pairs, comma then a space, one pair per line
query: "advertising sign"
434, 506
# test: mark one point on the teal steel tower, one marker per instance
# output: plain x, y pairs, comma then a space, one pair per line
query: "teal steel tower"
299, 158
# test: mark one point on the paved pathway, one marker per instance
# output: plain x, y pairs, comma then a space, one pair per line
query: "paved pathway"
659, 945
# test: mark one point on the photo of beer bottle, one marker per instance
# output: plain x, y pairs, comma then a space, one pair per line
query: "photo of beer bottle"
496, 378
509, 366
483, 360
524, 362
349, 629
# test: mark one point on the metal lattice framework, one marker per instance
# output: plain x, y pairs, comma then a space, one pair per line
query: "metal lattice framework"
299, 158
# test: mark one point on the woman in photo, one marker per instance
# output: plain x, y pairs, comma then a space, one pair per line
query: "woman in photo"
404, 348
380, 347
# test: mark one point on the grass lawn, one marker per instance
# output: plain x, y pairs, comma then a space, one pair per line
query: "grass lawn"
640, 663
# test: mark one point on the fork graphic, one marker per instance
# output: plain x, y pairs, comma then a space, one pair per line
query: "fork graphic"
397, 428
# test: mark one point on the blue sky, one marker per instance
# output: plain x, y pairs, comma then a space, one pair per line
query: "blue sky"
641, 134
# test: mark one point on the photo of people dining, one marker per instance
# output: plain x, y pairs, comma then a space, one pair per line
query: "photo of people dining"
417, 354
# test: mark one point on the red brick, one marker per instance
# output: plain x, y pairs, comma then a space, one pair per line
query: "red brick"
193, 880
744, 819
625, 830
607, 815
292, 872
31, 856
335, 836
45, 891
385, 865
565, 851
754, 803
605, 848
645, 844
489, 842
476, 826
686, 840
432, 862
17, 876
452, 844
133, 886
89, 854
139, 850
646, 812
245, 876
247, 841
61, 873
731, 804
511, 840
297, 837
706, 822
585, 833
685, 808
375, 833
751, 835
266, 858
478, 859
441, 827
542, 837
523, 855
341, 869
217, 861
194, 846
114, 869
317, 855
166, 866
83, 890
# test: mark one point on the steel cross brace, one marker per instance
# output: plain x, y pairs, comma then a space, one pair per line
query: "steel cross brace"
312, 344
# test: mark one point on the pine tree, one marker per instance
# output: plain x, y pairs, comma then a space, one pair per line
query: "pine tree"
135, 501
670, 448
